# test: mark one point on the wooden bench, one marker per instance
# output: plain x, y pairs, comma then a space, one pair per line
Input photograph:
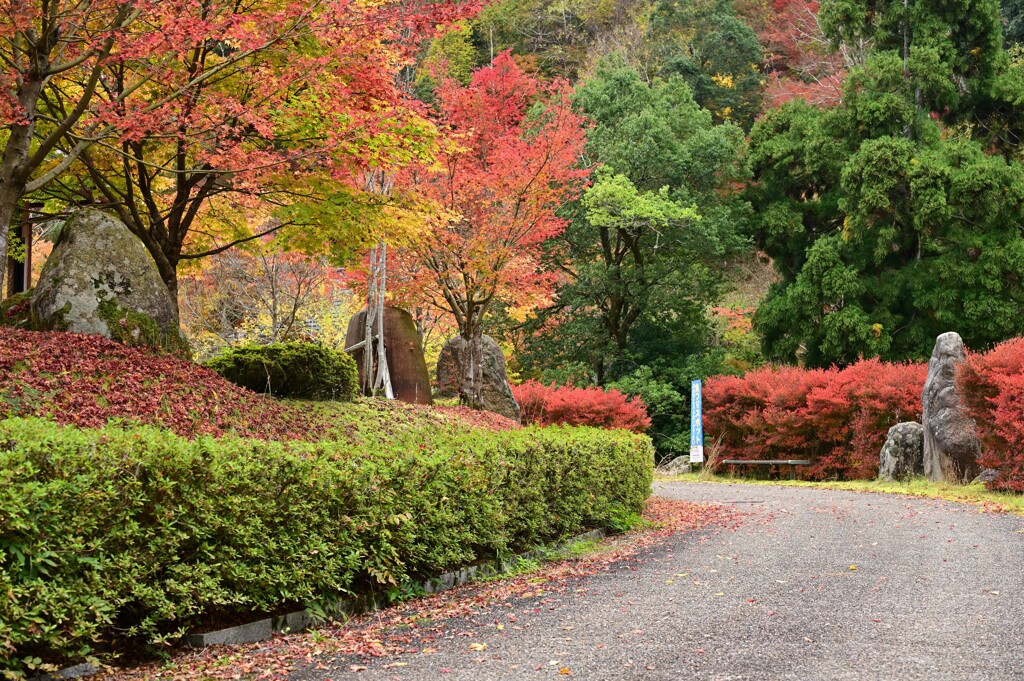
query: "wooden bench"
792, 463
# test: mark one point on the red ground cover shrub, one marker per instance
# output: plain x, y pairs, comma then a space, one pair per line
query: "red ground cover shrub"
549, 404
84, 380
836, 418
992, 386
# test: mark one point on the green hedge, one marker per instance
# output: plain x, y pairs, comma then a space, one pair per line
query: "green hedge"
299, 370
115, 535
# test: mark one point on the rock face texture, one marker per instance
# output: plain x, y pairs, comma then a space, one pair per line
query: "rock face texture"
902, 454
410, 379
489, 370
951, 445
678, 465
101, 279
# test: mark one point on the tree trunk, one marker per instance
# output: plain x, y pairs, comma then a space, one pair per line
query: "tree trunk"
13, 171
169, 274
8, 208
471, 390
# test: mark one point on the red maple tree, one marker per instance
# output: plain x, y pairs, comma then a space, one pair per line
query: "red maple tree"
511, 157
168, 103
800, 61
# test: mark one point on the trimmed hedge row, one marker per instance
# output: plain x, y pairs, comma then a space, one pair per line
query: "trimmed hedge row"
111, 533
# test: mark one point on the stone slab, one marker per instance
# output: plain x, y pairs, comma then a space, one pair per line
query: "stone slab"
260, 630
297, 621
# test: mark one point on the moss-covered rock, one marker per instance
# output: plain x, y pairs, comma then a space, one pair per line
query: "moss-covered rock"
16, 310
100, 279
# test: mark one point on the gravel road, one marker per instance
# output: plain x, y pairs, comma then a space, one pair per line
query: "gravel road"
815, 584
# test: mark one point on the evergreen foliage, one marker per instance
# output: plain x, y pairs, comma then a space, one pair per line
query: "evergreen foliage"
115, 536
299, 370
888, 226
642, 256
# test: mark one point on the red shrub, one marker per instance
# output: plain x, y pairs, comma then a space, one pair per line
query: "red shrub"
546, 405
992, 385
837, 418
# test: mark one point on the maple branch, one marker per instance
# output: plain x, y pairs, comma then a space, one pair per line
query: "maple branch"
85, 97
236, 242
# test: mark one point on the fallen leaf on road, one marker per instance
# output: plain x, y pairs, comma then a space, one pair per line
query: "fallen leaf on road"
720, 593
356, 668
565, 671
478, 646
853, 567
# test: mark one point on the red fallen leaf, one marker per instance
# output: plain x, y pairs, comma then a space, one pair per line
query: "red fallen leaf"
356, 668
700, 651
375, 635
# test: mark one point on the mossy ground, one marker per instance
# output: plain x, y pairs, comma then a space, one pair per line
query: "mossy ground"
135, 329
919, 487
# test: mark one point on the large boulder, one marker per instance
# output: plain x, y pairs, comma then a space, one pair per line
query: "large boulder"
101, 279
495, 394
951, 445
902, 455
410, 378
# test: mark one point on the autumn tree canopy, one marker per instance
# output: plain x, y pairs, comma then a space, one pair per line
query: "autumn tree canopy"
511, 157
166, 109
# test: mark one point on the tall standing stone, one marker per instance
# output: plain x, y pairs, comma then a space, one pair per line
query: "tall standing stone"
100, 279
410, 378
495, 392
951, 445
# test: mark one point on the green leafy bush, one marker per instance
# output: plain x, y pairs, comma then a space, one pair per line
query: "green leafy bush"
300, 370
115, 533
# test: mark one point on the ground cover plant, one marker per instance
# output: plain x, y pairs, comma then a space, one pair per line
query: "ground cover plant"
88, 381
836, 418
115, 535
976, 493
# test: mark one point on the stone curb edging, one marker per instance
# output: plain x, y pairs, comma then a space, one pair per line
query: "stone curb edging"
264, 629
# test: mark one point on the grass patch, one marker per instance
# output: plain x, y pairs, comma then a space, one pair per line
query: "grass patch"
918, 487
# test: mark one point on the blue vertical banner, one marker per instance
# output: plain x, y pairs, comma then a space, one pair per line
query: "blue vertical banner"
696, 424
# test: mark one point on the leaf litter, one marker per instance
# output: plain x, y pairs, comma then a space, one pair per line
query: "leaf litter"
418, 626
